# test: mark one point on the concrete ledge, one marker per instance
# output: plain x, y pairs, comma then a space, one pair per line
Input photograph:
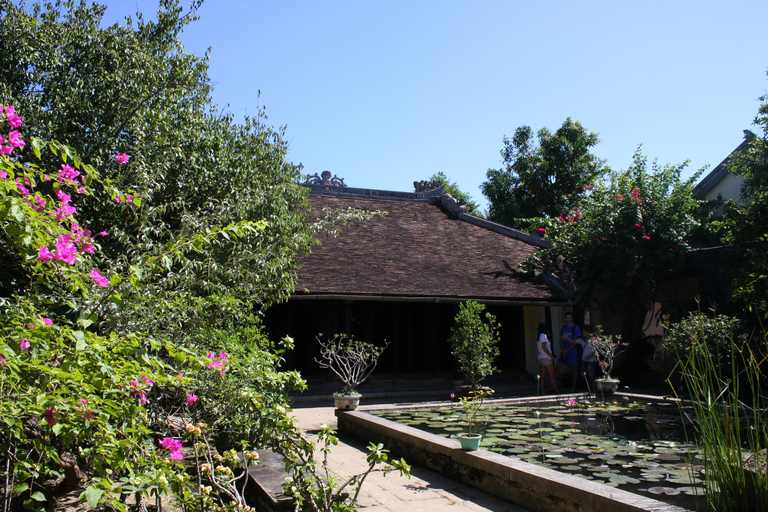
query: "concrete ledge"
533, 487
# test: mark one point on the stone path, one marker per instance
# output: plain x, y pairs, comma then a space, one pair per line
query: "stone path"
425, 491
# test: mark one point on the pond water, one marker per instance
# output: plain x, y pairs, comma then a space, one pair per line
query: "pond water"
639, 446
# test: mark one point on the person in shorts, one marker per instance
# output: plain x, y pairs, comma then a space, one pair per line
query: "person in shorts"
569, 354
546, 359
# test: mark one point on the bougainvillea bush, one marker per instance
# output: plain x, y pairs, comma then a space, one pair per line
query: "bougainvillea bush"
628, 234
83, 407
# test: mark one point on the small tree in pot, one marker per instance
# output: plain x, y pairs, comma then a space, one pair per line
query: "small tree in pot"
473, 342
352, 360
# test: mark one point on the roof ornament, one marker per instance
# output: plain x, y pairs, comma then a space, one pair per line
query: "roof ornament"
325, 179
452, 204
426, 186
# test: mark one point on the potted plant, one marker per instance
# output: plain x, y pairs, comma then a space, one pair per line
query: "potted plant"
606, 349
473, 342
353, 361
471, 404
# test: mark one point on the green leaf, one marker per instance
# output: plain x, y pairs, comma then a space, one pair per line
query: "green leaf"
93, 495
20, 488
37, 145
38, 496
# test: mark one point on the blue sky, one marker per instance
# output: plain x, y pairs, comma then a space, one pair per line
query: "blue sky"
385, 93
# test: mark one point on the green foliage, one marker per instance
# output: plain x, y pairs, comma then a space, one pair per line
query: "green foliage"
720, 334
452, 188
474, 342
627, 236
132, 88
311, 482
745, 225
471, 404
350, 359
723, 377
545, 179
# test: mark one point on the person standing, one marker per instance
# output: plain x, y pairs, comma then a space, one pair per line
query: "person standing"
569, 333
588, 360
546, 359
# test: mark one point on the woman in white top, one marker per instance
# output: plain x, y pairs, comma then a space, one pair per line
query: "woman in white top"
546, 358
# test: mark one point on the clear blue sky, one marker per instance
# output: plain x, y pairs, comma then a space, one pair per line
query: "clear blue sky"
385, 93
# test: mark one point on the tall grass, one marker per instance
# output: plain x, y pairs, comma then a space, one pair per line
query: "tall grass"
726, 388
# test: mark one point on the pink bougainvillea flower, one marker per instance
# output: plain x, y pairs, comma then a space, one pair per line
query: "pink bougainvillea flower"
65, 249
174, 446
637, 226
3, 174
122, 158
15, 140
44, 254
223, 355
67, 172
646, 238
49, 415
542, 230
89, 415
48, 322
83, 400
24, 344
619, 196
635, 192
63, 196
147, 380
135, 383
191, 399
3, 361
100, 280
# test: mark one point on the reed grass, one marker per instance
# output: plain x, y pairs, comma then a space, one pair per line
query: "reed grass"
728, 399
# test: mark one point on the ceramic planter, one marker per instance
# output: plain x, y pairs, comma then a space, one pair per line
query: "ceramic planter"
470, 441
346, 403
607, 386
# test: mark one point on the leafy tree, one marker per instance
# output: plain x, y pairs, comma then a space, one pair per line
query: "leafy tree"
628, 235
452, 188
745, 225
544, 179
133, 89
474, 342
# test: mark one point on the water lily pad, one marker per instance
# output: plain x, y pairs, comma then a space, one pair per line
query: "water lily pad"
669, 491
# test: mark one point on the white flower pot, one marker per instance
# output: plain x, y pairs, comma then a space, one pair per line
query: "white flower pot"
607, 386
346, 403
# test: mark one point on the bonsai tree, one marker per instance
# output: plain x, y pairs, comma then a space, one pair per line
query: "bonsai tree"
606, 349
352, 360
473, 342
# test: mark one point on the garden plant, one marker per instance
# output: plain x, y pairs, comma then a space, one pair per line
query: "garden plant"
474, 342
725, 383
351, 360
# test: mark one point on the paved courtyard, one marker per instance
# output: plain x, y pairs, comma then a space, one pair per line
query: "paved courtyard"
425, 491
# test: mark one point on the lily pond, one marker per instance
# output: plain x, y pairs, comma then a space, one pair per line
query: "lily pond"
639, 446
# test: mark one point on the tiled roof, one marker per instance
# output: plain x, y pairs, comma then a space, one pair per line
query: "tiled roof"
420, 251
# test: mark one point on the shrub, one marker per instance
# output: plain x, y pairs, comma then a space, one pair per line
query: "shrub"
473, 342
